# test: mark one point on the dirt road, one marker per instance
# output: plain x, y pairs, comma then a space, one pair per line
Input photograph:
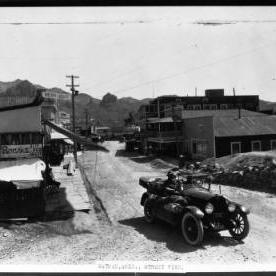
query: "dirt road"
115, 178
118, 231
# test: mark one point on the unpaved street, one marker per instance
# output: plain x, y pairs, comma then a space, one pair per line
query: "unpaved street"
116, 229
115, 178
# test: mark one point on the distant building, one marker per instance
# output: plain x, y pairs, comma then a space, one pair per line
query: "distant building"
64, 119
190, 125
213, 134
49, 110
216, 136
214, 99
14, 100
49, 94
103, 131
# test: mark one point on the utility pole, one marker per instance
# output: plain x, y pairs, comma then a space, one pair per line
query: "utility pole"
74, 93
86, 122
238, 103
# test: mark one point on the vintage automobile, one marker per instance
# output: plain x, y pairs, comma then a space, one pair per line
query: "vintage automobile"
185, 202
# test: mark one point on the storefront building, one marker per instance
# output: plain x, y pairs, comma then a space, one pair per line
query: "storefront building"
21, 133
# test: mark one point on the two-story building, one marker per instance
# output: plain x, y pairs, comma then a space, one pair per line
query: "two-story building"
214, 99
193, 125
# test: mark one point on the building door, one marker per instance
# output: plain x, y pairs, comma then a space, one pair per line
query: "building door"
235, 147
256, 146
273, 144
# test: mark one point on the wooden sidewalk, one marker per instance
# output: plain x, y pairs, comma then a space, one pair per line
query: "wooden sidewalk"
72, 195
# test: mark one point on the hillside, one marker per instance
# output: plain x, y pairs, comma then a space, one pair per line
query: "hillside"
266, 105
110, 110
105, 112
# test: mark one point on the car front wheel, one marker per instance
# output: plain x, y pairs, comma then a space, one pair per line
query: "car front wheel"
240, 228
148, 211
192, 229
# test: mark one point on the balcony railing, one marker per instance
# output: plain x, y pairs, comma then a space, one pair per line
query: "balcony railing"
162, 134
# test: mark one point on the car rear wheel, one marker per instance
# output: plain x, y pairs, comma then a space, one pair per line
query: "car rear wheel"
192, 229
240, 228
148, 211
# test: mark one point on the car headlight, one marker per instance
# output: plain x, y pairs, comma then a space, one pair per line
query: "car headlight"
209, 208
245, 210
231, 207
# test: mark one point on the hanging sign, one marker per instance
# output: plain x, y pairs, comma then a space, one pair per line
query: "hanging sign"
17, 151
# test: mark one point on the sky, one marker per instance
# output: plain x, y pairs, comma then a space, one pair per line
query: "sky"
142, 51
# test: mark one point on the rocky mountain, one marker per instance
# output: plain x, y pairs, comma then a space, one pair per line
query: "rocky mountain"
110, 110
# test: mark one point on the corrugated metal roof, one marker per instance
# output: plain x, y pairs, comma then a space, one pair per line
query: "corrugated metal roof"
245, 126
160, 120
20, 120
219, 112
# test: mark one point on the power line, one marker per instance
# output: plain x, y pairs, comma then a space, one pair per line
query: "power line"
139, 67
190, 70
175, 75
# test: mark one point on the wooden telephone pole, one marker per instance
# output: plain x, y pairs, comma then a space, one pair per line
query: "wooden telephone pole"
86, 122
74, 93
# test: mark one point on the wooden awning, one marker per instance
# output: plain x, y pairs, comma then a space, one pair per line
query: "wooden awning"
75, 137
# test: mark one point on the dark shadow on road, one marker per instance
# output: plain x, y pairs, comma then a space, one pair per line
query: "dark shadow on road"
124, 153
163, 232
57, 207
59, 217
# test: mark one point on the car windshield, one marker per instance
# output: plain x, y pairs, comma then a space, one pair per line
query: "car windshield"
192, 182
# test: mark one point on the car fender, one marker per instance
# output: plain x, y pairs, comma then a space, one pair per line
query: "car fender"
143, 198
195, 211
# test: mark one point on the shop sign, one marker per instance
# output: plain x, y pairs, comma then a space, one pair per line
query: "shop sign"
16, 151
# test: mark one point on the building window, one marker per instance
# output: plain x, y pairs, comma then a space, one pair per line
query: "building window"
210, 106
230, 106
256, 146
224, 106
197, 106
235, 147
6, 139
15, 139
190, 107
194, 147
213, 106
199, 147
273, 144
26, 138
36, 138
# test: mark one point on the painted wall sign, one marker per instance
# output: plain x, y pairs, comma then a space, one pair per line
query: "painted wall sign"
56, 96
16, 151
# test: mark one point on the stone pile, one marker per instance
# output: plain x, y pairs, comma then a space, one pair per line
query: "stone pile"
256, 174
